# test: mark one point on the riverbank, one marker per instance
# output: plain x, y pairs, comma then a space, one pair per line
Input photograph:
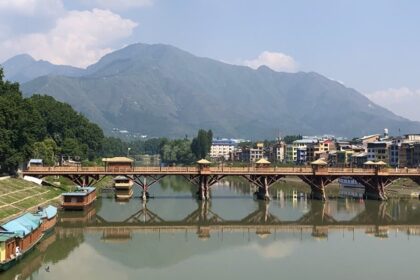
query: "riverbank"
18, 196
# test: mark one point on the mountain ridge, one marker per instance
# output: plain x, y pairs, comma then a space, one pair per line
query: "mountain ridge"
161, 90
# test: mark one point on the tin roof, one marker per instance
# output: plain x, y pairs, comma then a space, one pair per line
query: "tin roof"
4, 236
48, 212
80, 191
35, 160
23, 225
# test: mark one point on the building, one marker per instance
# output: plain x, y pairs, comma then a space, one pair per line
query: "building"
252, 154
118, 163
222, 148
378, 150
277, 152
409, 154
412, 137
301, 145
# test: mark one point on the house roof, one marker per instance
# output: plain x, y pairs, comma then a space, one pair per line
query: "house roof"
80, 191
319, 162
23, 225
48, 212
4, 236
203, 161
117, 159
263, 161
36, 160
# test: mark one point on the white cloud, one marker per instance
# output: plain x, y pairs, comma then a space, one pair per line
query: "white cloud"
121, 4
402, 101
31, 7
275, 60
78, 38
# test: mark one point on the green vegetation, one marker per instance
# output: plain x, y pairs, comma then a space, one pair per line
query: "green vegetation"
41, 127
201, 144
17, 196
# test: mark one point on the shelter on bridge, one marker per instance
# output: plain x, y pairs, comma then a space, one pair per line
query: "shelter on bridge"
263, 163
118, 163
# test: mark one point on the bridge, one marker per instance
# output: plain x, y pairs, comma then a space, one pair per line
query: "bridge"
375, 179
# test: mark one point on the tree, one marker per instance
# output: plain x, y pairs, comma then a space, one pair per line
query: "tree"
200, 145
45, 150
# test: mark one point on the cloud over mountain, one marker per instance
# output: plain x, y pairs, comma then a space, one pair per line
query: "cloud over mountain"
275, 60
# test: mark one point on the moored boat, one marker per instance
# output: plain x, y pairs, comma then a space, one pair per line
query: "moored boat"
80, 199
19, 236
48, 218
123, 188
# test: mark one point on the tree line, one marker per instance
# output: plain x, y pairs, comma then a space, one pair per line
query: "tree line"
42, 127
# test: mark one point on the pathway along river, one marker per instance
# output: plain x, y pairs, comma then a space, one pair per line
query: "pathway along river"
230, 237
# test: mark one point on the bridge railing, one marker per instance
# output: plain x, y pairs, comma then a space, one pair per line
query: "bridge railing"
345, 171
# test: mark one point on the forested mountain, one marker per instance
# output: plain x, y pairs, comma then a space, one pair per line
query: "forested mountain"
42, 127
23, 68
160, 90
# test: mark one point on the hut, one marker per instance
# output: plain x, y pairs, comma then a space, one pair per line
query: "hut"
118, 163
318, 164
204, 164
262, 163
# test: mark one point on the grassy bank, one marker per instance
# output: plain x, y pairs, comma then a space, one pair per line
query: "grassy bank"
18, 196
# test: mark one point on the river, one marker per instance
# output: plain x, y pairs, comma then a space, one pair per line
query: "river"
232, 236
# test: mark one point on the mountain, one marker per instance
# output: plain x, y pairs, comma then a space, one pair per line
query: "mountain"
23, 68
160, 90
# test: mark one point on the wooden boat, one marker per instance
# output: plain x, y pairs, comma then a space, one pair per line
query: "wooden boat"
19, 236
81, 198
123, 188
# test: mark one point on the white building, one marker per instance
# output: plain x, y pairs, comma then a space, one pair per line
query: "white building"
222, 148
301, 145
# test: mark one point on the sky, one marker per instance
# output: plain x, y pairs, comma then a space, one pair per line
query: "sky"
372, 46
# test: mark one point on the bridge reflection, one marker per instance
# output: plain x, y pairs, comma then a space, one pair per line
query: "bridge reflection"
375, 218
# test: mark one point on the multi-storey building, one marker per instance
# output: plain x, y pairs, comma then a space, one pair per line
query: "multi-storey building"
222, 148
378, 151
252, 154
409, 154
301, 145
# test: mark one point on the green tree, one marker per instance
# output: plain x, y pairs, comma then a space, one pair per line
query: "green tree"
200, 145
46, 150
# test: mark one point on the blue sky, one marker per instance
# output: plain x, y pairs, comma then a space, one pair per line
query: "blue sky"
372, 46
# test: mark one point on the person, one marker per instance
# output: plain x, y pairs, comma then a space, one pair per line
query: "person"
17, 251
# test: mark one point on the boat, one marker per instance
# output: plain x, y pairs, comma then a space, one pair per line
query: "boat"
20, 235
123, 188
350, 188
48, 218
80, 199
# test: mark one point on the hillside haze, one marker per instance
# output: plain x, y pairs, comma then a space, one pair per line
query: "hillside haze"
160, 90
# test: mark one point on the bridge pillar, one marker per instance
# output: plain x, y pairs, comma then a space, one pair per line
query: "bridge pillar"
375, 186
318, 184
263, 183
204, 182
144, 184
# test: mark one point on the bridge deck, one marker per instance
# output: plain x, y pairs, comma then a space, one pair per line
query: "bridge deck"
192, 170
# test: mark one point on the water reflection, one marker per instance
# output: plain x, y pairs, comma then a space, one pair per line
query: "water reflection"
170, 234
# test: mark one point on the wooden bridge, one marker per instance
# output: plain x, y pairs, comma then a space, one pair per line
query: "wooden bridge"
374, 179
